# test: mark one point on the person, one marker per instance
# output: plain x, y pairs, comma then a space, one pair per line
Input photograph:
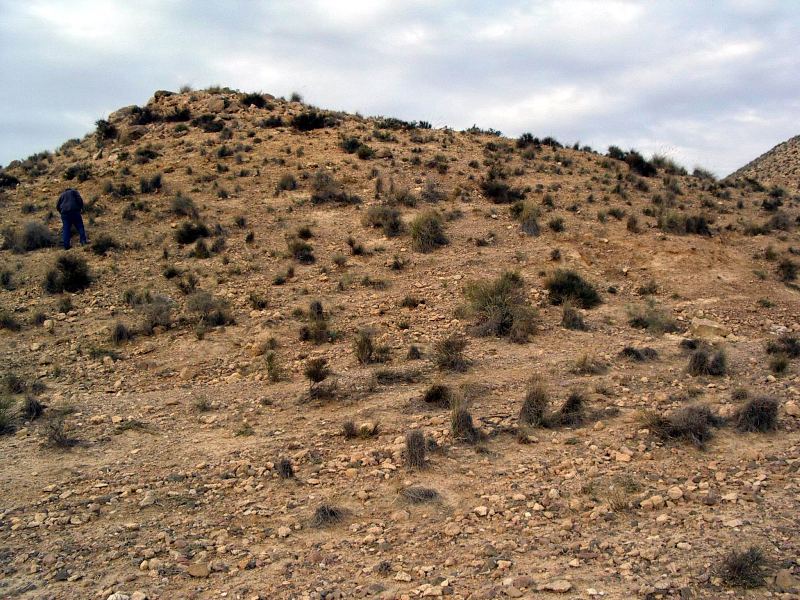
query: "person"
70, 205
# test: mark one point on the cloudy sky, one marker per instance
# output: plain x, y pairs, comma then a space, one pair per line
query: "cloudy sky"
712, 83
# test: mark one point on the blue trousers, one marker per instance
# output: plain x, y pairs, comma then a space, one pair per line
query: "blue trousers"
68, 220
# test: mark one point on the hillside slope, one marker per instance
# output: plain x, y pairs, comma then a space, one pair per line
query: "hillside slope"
779, 166
196, 459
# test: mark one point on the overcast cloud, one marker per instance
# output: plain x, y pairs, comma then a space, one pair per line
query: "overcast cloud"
711, 83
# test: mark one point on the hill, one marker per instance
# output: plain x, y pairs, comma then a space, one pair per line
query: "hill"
779, 166
310, 354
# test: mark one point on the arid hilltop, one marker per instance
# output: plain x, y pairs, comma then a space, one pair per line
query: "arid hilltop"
310, 354
779, 166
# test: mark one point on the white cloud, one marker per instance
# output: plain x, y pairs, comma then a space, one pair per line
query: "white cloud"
707, 83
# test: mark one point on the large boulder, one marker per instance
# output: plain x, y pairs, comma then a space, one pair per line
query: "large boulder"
706, 328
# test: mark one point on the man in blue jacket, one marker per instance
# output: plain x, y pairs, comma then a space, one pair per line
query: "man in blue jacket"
70, 205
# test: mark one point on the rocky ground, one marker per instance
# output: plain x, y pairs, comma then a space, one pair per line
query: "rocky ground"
779, 166
157, 468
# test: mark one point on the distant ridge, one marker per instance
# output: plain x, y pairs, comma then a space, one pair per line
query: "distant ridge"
778, 166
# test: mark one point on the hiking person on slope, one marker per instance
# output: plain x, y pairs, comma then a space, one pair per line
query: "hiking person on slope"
70, 205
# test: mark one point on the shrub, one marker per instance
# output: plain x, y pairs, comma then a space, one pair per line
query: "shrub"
211, 311
572, 412
32, 236
80, 171
385, 217
638, 164
32, 408
568, 286
285, 468
787, 270
157, 313
56, 434
501, 307
6, 280
150, 185
191, 231
69, 274
759, 414
309, 120
253, 99
448, 353
415, 449
498, 190
184, 206
9, 416
438, 395
8, 322
326, 189
651, 317
778, 363
120, 333
556, 224
589, 365
200, 250
743, 568
300, 250
419, 495
286, 182
572, 319
316, 369
103, 243
427, 232
528, 215
105, 130
326, 515
785, 344
703, 363
691, 423
533, 412
365, 350
462, 427
683, 224
638, 354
